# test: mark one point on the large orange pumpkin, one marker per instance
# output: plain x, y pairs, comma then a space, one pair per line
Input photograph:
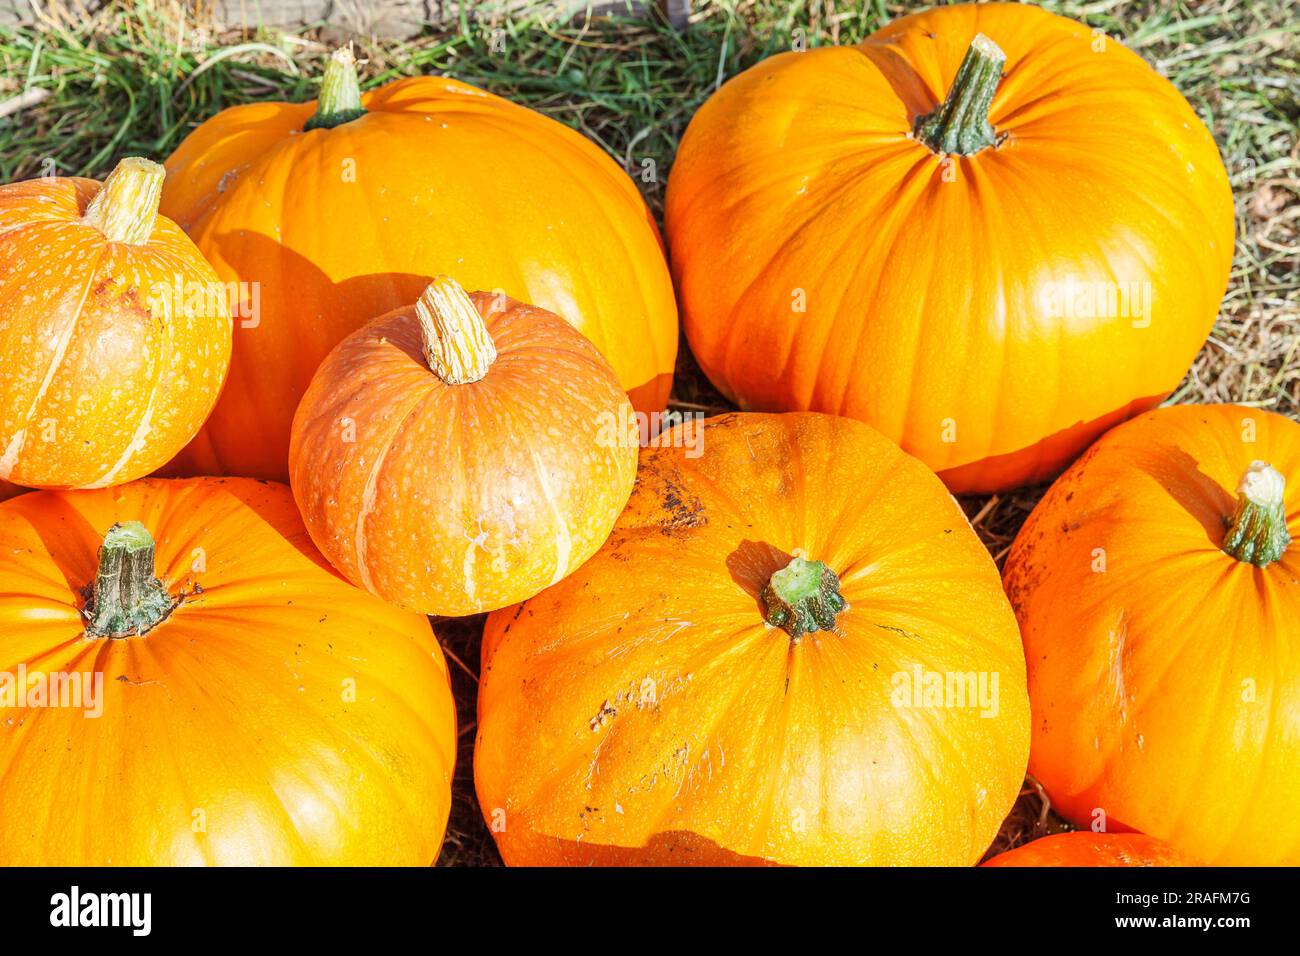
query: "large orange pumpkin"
1085, 848
252, 707
462, 454
851, 235
1159, 599
114, 334
334, 225
756, 667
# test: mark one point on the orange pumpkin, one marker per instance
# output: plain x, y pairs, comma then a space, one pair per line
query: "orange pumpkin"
1159, 599
1085, 848
335, 225
114, 334
462, 454
753, 668
859, 230
245, 706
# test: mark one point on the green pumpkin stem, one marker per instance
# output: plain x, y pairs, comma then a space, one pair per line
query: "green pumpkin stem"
803, 596
126, 206
1257, 531
340, 94
960, 124
126, 597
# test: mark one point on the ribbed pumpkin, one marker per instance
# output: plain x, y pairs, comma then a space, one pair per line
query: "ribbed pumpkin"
462, 454
990, 271
342, 210
1085, 848
114, 333
1159, 598
744, 673
254, 708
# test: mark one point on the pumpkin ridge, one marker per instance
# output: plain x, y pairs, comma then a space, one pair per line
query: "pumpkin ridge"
906, 201
615, 223
726, 347
134, 442
7, 464
914, 193
381, 449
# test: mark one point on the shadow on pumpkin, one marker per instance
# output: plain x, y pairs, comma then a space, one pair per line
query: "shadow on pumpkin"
68, 537
672, 848
752, 564
1042, 461
1180, 475
278, 326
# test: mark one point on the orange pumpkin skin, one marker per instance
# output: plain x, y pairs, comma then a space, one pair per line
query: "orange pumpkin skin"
642, 712
1163, 688
456, 499
108, 372
439, 177
828, 260
1085, 848
299, 720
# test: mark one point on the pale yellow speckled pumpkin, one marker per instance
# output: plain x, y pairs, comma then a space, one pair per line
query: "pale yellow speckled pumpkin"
114, 331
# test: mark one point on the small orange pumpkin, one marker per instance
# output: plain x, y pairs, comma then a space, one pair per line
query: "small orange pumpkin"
225, 697
462, 454
991, 263
332, 213
114, 333
1085, 848
755, 667
1158, 593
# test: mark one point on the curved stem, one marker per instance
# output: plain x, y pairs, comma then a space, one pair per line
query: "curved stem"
961, 123
1257, 531
803, 596
457, 345
340, 94
126, 205
126, 598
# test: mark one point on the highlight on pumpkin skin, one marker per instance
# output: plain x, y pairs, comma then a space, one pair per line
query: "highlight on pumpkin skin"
1257, 531
457, 344
126, 206
960, 124
340, 93
127, 597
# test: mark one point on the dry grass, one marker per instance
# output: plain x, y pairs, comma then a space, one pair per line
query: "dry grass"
135, 77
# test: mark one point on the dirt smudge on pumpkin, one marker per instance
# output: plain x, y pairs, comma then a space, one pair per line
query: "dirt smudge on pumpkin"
683, 511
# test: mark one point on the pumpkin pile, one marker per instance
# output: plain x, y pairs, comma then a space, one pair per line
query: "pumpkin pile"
307, 383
